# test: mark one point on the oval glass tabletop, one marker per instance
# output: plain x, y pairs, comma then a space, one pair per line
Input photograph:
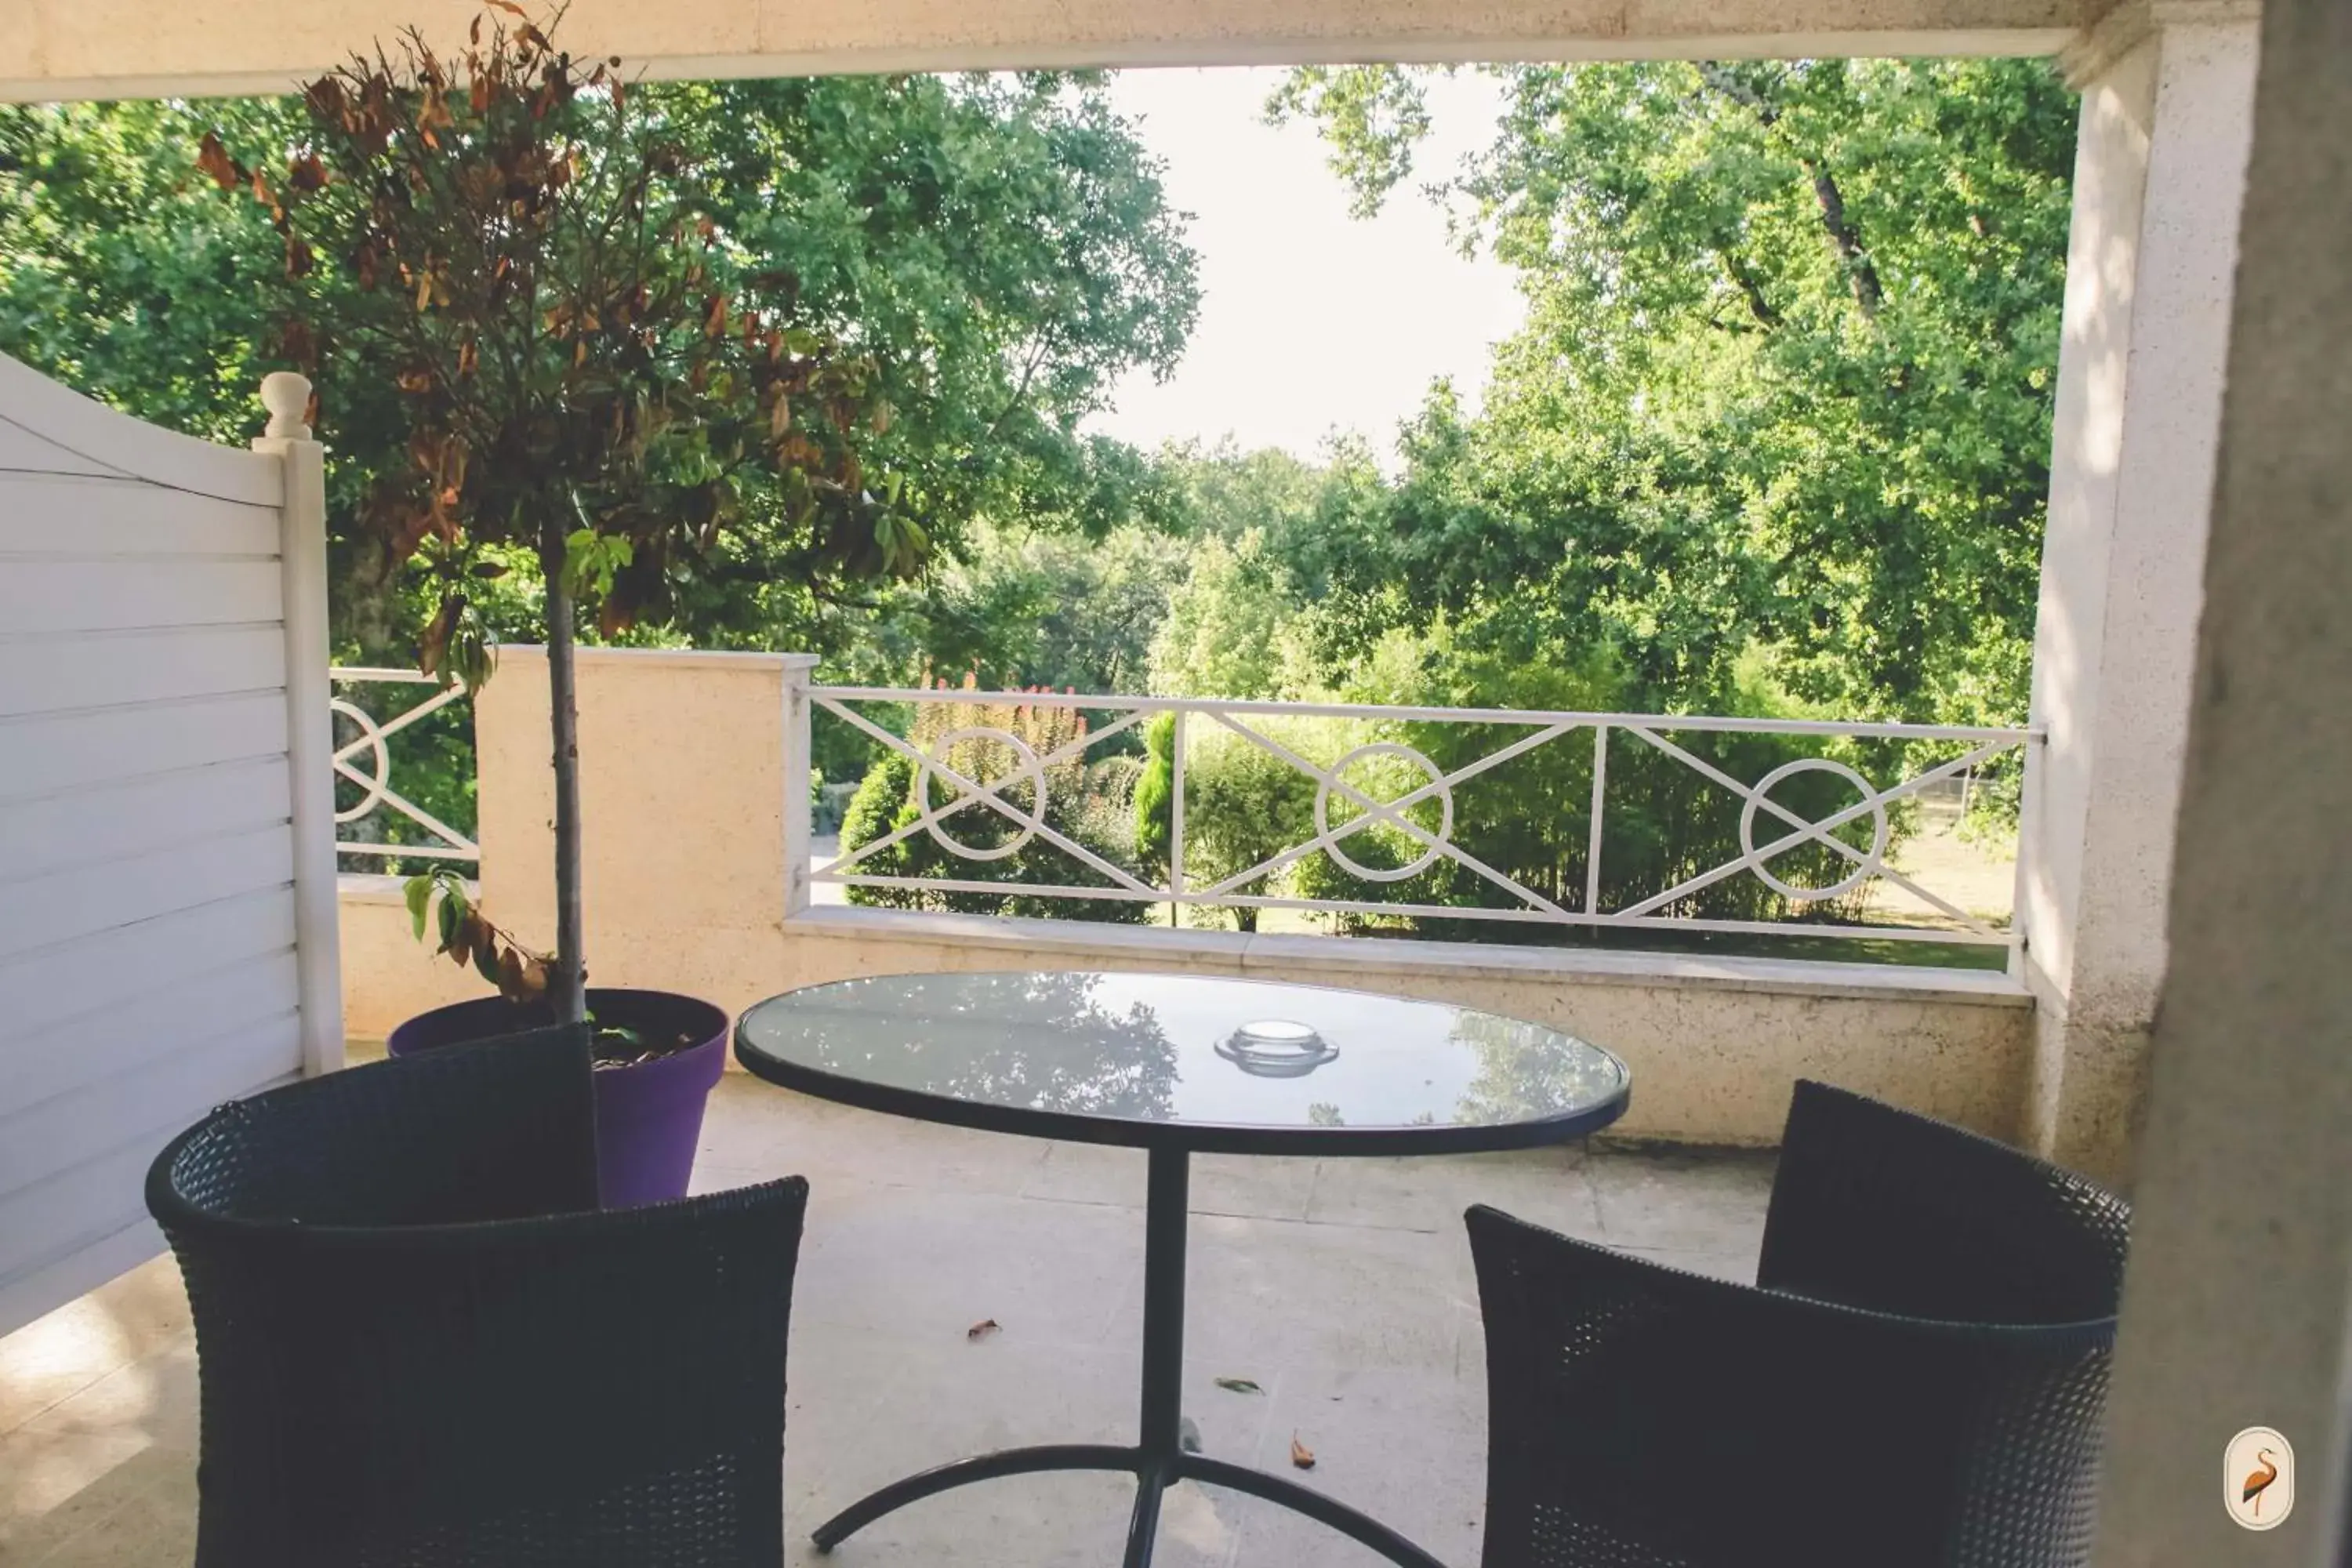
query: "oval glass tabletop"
1184, 1061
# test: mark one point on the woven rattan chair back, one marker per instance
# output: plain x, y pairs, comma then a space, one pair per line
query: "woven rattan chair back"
1903, 1391
420, 1344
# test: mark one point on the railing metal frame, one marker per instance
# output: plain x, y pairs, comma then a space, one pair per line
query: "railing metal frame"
1652, 729
375, 779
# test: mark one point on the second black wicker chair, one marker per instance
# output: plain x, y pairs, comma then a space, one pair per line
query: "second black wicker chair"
1917, 1380
420, 1345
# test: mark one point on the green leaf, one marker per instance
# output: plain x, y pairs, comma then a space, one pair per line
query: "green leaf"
451, 914
1239, 1385
419, 893
592, 560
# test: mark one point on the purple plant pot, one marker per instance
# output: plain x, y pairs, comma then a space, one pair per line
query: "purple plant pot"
649, 1115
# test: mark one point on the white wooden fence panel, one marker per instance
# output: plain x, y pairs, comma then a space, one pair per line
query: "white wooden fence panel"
75, 435
133, 1034
64, 514
163, 850
72, 905
119, 821
57, 990
37, 595
166, 1090
78, 750
22, 451
109, 669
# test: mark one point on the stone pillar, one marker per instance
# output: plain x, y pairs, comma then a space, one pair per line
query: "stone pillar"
2238, 1299
2159, 174
682, 784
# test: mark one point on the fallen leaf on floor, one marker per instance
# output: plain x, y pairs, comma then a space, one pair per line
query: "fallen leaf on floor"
1300, 1454
1238, 1385
983, 1328
1188, 1436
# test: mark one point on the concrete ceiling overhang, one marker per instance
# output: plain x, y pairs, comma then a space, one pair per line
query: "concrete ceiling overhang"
61, 49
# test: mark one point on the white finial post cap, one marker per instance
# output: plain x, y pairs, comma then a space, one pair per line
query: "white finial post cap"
287, 398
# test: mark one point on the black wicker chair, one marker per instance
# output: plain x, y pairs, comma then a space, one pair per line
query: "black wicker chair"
420, 1343
1917, 1380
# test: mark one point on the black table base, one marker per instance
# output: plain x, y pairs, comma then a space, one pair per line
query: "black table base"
1158, 1460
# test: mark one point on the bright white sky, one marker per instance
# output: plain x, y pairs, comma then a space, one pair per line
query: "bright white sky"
1311, 322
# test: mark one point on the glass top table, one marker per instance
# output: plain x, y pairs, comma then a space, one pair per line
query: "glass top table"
1176, 1064
1201, 1063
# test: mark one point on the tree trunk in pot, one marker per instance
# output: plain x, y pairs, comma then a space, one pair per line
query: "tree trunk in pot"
567, 983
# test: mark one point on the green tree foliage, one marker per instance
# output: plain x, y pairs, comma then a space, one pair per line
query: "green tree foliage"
1224, 491
1155, 796
122, 274
1269, 631
1020, 608
1276, 587
998, 246
1026, 607
1229, 630
1786, 378
1244, 805
1003, 245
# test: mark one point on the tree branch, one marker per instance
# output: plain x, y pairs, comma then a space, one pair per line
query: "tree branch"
1844, 239
567, 976
1019, 393
1758, 305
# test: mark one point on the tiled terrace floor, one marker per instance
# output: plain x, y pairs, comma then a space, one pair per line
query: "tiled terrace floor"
1341, 1287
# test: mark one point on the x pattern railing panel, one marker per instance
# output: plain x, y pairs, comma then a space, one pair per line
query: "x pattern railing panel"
1786, 829
366, 760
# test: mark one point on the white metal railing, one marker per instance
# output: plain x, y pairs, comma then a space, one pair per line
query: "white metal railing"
1981, 746
374, 778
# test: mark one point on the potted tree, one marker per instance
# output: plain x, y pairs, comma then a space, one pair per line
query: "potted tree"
593, 383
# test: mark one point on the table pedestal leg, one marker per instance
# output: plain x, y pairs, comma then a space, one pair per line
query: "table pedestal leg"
1168, 1207
1158, 1461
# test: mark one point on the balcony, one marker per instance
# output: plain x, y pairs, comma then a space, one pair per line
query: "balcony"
1341, 1288
1786, 935
2242, 1178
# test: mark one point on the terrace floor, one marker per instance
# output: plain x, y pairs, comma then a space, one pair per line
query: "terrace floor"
1342, 1288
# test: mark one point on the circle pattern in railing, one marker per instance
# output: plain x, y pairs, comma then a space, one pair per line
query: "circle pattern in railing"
379, 769
1026, 766
1428, 857
1864, 869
